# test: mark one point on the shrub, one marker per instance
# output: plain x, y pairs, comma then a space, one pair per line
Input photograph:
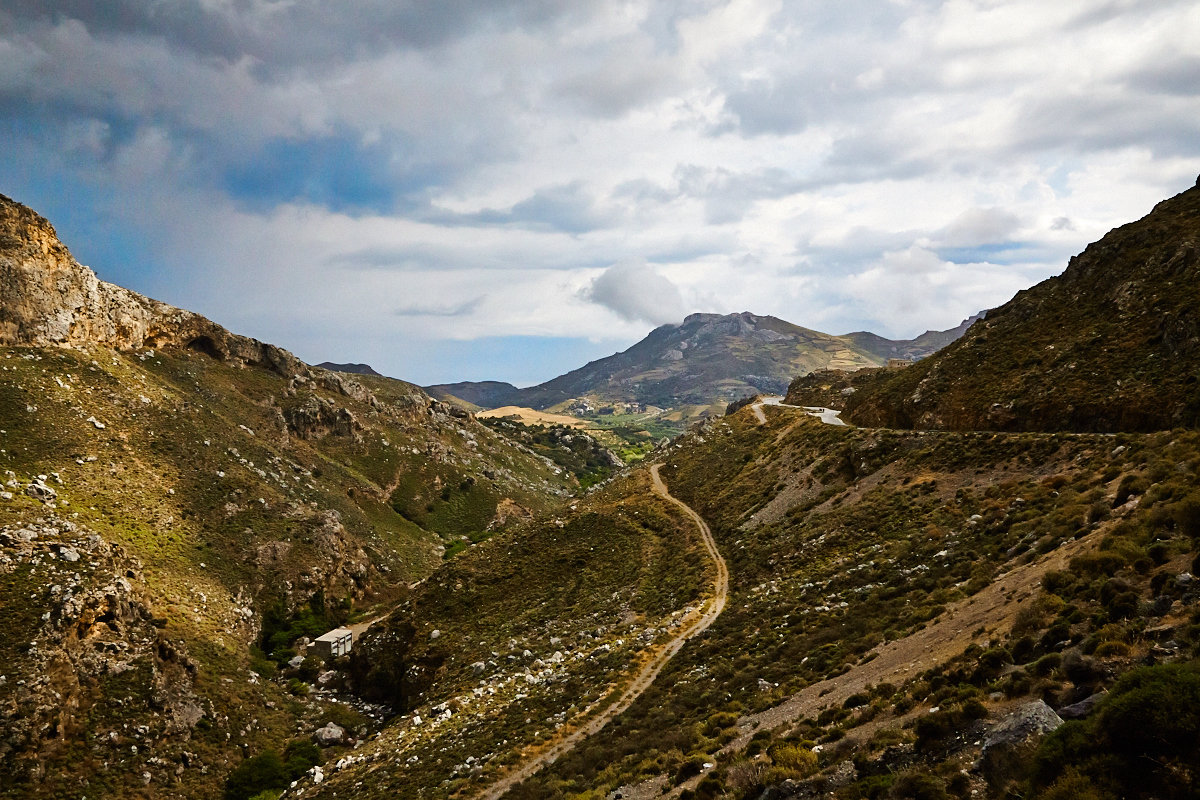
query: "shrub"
1112, 649
1130, 485
1103, 563
746, 778
1047, 664
932, 728
1187, 516
300, 756
1080, 669
918, 786
689, 769
1054, 582
794, 757
1073, 786
856, 700
255, 775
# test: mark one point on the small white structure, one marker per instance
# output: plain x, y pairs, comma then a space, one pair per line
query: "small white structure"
335, 643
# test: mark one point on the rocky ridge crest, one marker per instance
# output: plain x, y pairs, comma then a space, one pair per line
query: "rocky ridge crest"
51, 299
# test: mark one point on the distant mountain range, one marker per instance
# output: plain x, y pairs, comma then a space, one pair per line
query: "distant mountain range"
707, 359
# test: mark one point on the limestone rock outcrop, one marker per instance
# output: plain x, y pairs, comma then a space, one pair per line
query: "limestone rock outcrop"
50, 299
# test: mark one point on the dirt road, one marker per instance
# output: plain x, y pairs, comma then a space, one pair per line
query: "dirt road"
694, 625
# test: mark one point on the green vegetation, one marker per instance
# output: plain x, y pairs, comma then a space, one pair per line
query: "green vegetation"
1142, 742
575, 451
229, 507
267, 774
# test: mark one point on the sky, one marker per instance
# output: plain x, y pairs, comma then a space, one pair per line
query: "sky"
506, 189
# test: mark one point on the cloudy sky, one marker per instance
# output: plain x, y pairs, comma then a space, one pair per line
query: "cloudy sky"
472, 189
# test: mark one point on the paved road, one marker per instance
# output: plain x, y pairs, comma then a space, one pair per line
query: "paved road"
827, 415
695, 624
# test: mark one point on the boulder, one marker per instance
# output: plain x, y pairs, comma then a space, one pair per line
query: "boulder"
1013, 739
330, 735
40, 491
1083, 708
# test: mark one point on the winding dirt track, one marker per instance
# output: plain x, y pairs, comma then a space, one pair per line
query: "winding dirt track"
695, 624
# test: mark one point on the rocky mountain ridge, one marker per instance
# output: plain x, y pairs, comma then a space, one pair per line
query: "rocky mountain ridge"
353, 369
705, 360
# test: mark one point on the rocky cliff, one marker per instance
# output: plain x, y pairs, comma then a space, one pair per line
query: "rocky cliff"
52, 299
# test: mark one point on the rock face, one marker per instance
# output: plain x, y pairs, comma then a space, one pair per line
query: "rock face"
49, 298
96, 623
330, 735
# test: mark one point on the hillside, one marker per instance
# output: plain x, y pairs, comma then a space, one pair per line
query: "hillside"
796, 610
1111, 344
877, 578
179, 505
910, 614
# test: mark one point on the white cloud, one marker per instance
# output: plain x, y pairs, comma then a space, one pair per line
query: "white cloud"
515, 168
637, 293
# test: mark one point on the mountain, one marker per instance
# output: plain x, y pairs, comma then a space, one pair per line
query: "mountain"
924, 345
909, 615
778, 608
1111, 344
707, 360
353, 369
480, 394
179, 506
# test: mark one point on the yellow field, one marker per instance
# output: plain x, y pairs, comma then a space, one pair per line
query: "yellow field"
530, 417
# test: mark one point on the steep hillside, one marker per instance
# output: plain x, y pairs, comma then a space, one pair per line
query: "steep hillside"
179, 506
520, 640
878, 579
1112, 344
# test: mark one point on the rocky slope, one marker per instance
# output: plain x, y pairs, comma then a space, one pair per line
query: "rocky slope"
180, 506
1111, 344
910, 614
51, 299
